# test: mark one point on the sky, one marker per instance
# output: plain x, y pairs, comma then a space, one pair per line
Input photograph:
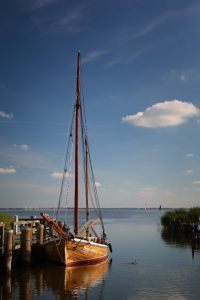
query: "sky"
140, 67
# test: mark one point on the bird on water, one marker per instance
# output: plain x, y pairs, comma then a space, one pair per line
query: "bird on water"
134, 263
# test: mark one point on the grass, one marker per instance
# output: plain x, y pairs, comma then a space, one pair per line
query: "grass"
5, 218
180, 214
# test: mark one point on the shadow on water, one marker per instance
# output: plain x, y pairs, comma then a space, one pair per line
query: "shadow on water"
65, 283
181, 239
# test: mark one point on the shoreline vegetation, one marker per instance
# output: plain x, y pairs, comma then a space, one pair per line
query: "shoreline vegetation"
5, 218
180, 214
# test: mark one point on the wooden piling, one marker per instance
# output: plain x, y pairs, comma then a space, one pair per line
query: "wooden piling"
40, 232
33, 224
50, 231
26, 246
179, 225
192, 228
61, 224
16, 226
1, 237
189, 226
7, 255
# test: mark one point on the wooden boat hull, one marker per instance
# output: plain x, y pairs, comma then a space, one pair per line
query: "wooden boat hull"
75, 252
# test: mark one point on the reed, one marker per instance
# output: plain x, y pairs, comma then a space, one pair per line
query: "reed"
182, 214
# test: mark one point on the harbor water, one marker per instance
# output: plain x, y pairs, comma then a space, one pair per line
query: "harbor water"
168, 265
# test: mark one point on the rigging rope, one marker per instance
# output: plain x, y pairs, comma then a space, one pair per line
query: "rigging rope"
93, 187
65, 170
71, 113
91, 180
70, 165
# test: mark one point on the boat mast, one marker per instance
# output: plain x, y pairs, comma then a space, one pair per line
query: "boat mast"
77, 146
86, 162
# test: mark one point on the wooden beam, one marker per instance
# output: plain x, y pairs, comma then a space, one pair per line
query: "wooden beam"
89, 226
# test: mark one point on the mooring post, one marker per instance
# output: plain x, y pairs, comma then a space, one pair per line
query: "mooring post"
179, 225
26, 246
16, 226
192, 227
33, 224
51, 231
189, 226
60, 224
1, 237
7, 255
45, 225
174, 225
40, 232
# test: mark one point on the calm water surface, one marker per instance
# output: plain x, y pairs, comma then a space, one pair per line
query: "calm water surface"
167, 267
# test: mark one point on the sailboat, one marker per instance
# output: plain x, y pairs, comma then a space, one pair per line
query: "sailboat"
67, 246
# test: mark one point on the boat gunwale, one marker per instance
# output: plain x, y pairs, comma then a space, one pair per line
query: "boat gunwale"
79, 241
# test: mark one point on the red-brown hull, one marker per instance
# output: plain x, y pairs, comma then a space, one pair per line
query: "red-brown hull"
75, 253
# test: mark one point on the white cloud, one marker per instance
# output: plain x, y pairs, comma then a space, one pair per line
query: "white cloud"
190, 171
24, 147
97, 184
63, 22
168, 113
92, 56
148, 189
25, 159
15, 145
188, 155
198, 121
168, 193
196, 182
60, 175
2, 85
184, 189
5, 115
41, 3
121, 191
182, 77
29, 186
6, 171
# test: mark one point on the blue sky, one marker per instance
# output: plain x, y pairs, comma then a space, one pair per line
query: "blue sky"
141, 74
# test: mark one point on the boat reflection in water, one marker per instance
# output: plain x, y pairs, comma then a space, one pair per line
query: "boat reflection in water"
65, 283
69, 282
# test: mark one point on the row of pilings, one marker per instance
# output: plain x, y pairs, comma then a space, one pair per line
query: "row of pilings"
25, 252
23, 246
186, 227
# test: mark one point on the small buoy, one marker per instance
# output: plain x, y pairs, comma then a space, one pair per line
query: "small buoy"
134, 263
149, 211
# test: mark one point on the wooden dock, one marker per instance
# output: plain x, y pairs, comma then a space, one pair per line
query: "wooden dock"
21, 245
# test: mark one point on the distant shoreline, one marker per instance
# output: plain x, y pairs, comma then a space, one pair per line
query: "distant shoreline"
71, 208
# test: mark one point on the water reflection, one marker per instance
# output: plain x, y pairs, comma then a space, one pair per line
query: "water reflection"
65, 283
181, 239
